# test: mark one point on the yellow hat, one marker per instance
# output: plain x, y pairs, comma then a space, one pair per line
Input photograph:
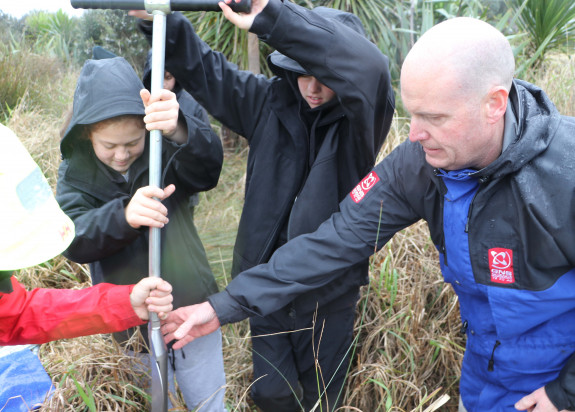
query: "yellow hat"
34, 228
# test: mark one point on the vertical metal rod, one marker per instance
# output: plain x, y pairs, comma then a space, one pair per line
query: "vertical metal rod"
158, 52
158, 347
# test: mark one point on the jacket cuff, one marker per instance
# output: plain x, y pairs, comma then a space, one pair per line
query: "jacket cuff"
561, 391
265, 21
226, 308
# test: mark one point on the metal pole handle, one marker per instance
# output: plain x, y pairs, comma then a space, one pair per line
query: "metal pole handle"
175, 5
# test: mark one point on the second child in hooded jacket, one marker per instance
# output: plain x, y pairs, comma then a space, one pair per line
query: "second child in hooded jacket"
314, 130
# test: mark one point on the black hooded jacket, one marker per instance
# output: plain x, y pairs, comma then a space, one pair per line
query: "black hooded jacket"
95, 196
302, 162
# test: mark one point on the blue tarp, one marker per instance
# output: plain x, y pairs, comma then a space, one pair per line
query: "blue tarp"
24, 383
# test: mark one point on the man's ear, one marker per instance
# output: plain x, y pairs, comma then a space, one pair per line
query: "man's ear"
496, 104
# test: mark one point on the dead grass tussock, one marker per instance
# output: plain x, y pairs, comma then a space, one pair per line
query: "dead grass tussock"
97, 366
409, 349
38, 127
38, 133
238, 365
23, 73
34, 82
556, 77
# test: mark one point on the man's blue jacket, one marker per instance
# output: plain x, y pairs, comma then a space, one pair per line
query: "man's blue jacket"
506, 237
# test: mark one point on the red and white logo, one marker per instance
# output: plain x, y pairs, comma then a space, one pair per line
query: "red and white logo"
364, 186
501, 265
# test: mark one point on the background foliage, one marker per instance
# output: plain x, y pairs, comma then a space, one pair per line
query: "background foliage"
534, 27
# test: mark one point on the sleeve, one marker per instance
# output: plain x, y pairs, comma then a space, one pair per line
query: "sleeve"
561, 391
43, 315
202, 114
342, 59
373, 212
198, 111
234, 97
197, 163
100, 230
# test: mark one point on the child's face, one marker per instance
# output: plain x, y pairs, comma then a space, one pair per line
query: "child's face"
119, 144
314, 92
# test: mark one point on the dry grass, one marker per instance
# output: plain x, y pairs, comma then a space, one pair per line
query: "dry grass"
409, 348
557, 78
27, 79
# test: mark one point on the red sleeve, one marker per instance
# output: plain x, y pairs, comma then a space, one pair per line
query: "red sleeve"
43, 315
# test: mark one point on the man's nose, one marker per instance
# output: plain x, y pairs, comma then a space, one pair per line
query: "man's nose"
416, 131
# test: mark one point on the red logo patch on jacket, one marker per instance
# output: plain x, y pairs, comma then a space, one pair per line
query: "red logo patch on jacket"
364, 186
501, 265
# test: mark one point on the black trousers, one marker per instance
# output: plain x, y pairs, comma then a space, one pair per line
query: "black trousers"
287, 377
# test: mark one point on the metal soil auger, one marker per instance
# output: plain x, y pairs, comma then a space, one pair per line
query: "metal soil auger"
159, 9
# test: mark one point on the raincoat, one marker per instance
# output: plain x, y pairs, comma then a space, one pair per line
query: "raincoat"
505, 237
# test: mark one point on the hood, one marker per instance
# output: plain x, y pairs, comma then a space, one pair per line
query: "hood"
106, 88
534, 121
279, 63
99, 53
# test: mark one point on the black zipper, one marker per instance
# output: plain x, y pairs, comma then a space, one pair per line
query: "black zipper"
464, 327
442, 190
492, 360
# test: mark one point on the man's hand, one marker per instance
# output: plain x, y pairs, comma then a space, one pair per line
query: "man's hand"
537, 401
242, 20
189, 322
162, 110
151, 295
144, 210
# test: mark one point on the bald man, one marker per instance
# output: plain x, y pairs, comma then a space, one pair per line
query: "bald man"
489, 165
